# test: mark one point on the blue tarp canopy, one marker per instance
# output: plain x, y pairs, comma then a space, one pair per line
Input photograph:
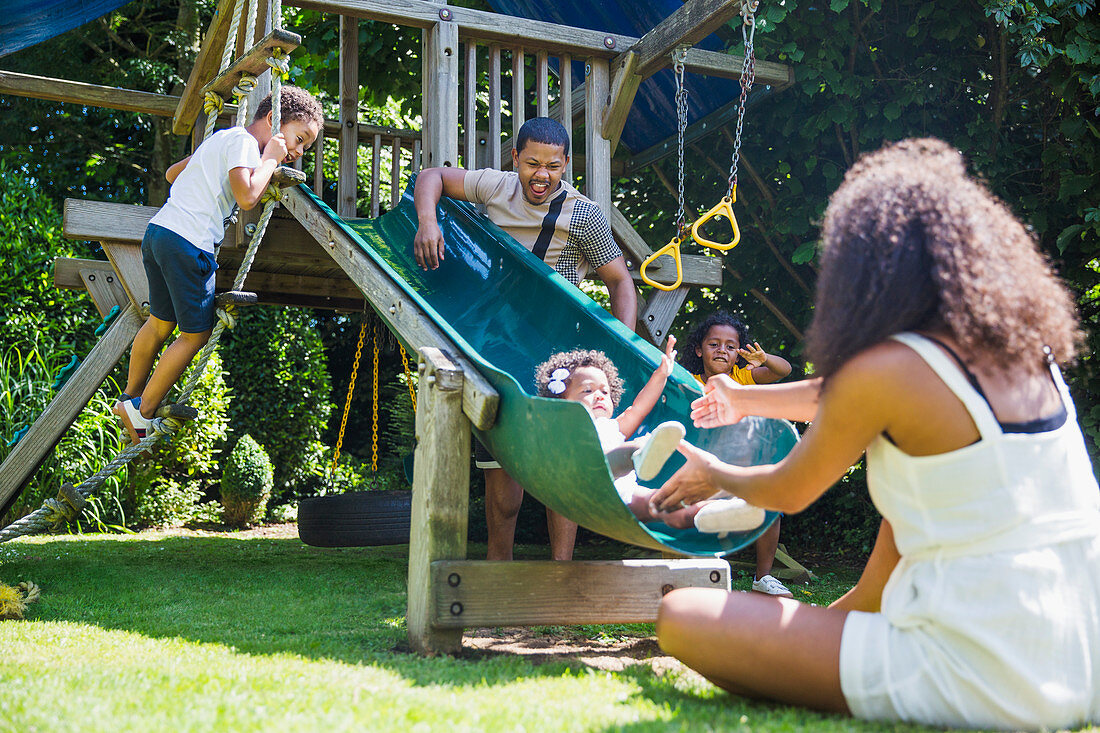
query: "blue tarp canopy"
24, 23
652, 118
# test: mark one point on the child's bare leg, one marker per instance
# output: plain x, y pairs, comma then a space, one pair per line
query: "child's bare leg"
563, 535
620, 458
757, 646
503, 497
766, 545
152, 335
172, 364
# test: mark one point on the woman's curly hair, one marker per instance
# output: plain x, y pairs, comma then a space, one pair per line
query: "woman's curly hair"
570, 361
692, 361
295, 103
911, 242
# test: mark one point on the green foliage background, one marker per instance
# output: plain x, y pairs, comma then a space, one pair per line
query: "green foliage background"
1014, 84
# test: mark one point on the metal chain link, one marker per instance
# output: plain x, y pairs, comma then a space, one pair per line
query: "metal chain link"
748, 76
374, 405
408, 376
347, 402
678, 58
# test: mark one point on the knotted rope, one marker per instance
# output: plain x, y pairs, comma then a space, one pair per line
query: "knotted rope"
70, 501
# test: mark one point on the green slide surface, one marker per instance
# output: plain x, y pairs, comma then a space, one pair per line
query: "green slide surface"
508, 311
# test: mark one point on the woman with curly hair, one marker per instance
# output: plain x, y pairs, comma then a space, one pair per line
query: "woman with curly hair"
937, 334
591, 378
721, 345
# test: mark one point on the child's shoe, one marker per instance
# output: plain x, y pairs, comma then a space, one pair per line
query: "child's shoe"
662, 442
728, 515
128, 411
771, 586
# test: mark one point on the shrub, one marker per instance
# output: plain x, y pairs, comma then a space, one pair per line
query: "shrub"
246, 483
278, 373
167, 488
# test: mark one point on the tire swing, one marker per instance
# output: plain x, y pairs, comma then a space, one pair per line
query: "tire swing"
359, 518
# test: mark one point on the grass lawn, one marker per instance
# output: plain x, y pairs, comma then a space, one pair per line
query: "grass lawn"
256, 631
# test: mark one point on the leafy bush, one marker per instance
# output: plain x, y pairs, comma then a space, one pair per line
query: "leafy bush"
246, 483
167, 488
44, 327
277, 370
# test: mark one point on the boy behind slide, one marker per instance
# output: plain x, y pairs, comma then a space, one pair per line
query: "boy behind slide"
231, 167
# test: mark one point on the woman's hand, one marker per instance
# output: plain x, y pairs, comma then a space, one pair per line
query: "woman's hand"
753, 354
692, 483
719, 404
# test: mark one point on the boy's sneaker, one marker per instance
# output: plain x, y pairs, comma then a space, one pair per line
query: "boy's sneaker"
128, 411
771, 586
729, 515
650, 458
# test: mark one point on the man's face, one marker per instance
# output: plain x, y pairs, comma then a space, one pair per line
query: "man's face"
540, 167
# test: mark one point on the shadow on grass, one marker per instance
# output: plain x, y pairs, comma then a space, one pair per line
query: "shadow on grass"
260, 596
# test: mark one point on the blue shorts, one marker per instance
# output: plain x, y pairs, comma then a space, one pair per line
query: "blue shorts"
181, 279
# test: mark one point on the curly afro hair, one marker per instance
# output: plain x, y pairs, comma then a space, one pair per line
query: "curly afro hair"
692, 361
295, 103
570, 361
911, 242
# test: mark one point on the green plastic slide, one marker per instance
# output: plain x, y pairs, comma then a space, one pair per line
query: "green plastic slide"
508, 311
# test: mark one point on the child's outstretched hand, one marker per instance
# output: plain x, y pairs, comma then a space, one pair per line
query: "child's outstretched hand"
753, 354
276, 148
668, 359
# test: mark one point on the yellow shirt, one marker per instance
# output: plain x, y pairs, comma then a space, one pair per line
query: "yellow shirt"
741, 375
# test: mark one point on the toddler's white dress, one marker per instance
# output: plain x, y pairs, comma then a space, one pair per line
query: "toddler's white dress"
991, 617
611, 437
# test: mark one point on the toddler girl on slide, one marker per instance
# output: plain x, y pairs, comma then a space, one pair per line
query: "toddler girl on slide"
589, 377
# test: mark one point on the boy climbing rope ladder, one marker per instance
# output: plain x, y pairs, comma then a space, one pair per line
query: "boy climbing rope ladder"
232, 166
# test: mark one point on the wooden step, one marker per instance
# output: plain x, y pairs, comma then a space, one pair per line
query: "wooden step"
285, 176
253, 62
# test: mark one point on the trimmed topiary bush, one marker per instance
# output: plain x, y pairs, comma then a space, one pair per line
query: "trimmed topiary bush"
246, 483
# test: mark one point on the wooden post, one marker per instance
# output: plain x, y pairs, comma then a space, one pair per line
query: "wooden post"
441, 91
347, 183
441, 478
542, 84
494, 106
519, 91
375, 181
597, 152
395, 172
319, 163
565, 85
469, 120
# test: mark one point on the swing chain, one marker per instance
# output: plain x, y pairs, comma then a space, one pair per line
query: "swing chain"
748, 76
679, 56
374, 405
347, 402
408, 376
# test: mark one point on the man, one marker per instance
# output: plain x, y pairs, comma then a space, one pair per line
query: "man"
563, 228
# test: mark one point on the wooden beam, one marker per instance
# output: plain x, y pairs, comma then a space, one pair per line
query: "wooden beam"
206, 68
532, 592
254, 62
348, 181
401, 314
624, 86
37, 444
441, 491
102, 284
597, 148
690, 23
93, 95
660, 311
126, 259
441, 83
487, 27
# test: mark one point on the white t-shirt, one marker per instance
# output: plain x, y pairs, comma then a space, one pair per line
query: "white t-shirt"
200, 197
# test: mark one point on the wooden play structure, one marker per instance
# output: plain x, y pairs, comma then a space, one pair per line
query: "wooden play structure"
306, 261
